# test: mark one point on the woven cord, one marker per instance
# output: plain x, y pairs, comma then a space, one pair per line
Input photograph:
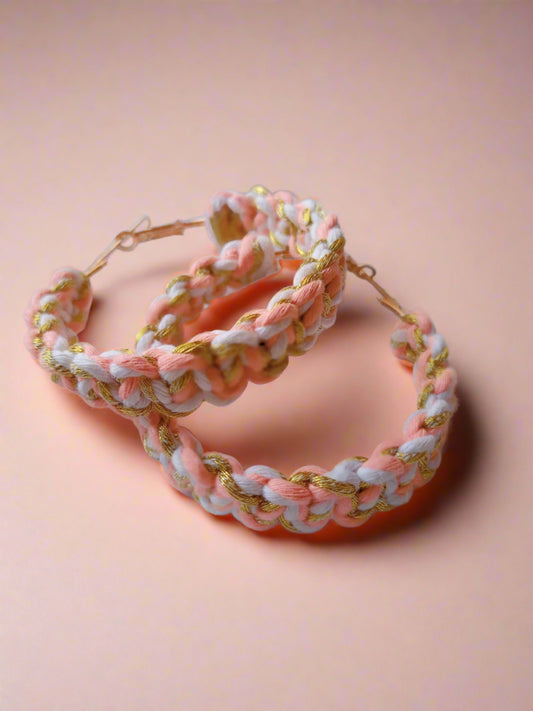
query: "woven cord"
172, 378
164, 378
350, 493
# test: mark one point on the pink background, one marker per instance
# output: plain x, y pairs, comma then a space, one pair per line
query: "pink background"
413, 122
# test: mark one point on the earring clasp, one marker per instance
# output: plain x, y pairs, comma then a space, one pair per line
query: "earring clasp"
129, 239
368, 272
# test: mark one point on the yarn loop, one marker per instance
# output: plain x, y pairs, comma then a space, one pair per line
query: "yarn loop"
164, 378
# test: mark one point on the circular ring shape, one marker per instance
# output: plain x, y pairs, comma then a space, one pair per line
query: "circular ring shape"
165, 378
253, 232
349, 494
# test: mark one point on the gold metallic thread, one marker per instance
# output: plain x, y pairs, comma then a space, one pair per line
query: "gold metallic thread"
436, 420
179, 298
409, 355
247, 318
287, 524
178, 384
191, 347
274, 368
436, 365
259, 190
215, 462
275, 240
259, 255
62, 285
145, 329
423, 396
167, 439
222, 469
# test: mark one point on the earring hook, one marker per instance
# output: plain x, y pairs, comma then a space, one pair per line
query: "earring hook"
128, 240
368, 272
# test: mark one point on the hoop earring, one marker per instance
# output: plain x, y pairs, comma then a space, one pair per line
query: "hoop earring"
165, 378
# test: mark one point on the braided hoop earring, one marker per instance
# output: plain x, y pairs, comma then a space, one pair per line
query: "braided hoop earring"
253, 232
162, 381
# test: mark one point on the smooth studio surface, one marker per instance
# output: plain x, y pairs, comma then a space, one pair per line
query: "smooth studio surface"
411, 121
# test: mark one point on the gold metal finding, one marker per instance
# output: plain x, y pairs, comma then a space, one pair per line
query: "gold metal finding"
368, 272
127, 241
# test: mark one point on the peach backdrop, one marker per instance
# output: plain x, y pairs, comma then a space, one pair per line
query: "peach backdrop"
412, 121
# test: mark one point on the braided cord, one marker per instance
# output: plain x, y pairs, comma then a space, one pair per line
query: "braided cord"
350, 493
254, 231
164, 378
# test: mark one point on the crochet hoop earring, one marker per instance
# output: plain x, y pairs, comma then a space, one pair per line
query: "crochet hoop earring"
253, 232
165, 378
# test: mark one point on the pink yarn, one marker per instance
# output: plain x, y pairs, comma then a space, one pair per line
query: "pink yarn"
165, 379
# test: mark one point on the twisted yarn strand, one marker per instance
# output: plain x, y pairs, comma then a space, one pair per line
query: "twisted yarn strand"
164, 378
173, 378
350, 493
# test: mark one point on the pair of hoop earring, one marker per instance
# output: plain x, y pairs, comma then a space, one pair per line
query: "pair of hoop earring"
164, 377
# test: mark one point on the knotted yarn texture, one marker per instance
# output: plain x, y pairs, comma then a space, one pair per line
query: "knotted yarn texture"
350, 493
174, 378
164, 378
